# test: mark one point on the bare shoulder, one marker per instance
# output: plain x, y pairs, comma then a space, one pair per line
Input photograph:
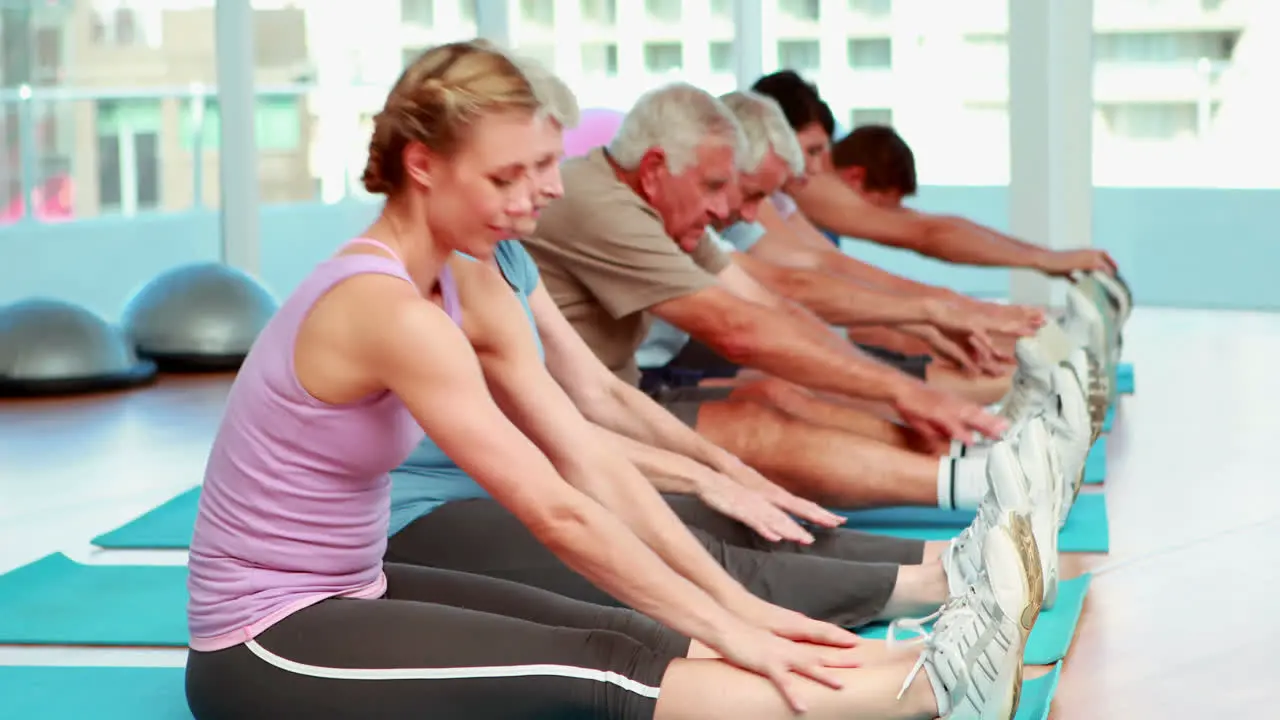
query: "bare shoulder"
364, 328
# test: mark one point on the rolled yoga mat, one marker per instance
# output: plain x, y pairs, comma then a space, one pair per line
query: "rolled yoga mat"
142, 693
167, 527
1086, 529
1053, 632
57, 601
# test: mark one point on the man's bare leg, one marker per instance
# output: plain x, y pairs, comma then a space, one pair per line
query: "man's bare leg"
920, 590
804, 404
982, 389
889, 339
836, 467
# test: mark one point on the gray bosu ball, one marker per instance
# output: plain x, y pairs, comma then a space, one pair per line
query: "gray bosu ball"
51, 347
198, 318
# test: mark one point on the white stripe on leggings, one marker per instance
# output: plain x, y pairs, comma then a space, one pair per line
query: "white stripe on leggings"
459, 673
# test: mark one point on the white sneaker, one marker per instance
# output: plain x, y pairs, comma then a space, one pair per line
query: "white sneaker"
1097, 396
1084, 324
1054, 342
1071, 429
1031, 381
973, 656
1118, 293
1007, 506
1044, 478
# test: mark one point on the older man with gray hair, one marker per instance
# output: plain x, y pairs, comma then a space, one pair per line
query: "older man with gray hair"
774, 156
628, 243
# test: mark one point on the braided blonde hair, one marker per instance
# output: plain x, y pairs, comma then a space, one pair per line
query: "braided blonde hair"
435, 100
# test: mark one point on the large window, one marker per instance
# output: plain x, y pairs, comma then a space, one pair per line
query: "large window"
611, 51
907, 65
90, 100
278, 123
1183, 94
128, 155
329, 70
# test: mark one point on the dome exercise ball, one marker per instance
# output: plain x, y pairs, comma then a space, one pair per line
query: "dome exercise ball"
198, 318
51, 347
595, 129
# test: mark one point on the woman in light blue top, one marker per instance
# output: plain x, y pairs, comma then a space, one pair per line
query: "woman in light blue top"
441, 518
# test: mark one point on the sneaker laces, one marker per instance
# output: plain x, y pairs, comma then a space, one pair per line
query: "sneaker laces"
945, 620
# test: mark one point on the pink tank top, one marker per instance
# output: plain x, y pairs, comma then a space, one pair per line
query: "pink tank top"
296, 493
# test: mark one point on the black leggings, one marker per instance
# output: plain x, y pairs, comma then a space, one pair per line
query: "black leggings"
845, 577
443, 645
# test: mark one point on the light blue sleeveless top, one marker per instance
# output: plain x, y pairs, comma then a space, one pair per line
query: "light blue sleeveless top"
429, 479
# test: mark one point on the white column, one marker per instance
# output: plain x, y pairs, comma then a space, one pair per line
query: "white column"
238, 161
748, 41
493, 21
1050, 131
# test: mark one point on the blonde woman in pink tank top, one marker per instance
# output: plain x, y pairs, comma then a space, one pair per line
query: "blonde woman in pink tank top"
292, 611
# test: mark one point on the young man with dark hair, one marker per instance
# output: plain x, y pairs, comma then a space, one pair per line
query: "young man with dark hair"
877, 164
827, 203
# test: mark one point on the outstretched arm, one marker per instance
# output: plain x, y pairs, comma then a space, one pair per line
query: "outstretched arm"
795, 242
830, 204
672, 455
836, 299
500, 333
416, 352
784, 344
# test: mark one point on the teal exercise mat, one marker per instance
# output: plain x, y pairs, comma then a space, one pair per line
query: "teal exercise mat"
97, 693
1086, 529
1054, 629
1095, 464
1124, 378
167, 527
1037, 695
1110, 420
57, 601
131, 693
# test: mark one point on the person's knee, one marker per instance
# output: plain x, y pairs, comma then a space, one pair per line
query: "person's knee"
743, 428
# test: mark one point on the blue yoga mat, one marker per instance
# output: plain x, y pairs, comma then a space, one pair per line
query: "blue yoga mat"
129, 693
1037, 695
101, 693
57, 601
1095, 465
1110, 420
1124, 378
1086, 529
167, 527
1054, 630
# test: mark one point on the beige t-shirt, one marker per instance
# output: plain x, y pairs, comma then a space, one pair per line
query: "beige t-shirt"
605, 258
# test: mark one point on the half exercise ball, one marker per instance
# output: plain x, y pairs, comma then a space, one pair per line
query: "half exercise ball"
51, 347
595, 129
198, 318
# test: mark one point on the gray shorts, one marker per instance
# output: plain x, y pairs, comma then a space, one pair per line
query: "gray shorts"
686, 402
845, 577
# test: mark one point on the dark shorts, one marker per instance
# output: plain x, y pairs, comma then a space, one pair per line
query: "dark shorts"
916, 366
444, 645
845, 577
698, 361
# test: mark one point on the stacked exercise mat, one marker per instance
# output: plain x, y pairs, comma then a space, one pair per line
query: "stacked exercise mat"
56, 601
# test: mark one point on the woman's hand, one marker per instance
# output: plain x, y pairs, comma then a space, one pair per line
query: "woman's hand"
788, 623
806, 510
780, 660
751, 508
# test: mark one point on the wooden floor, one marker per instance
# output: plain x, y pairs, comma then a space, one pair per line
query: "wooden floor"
1180, 618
